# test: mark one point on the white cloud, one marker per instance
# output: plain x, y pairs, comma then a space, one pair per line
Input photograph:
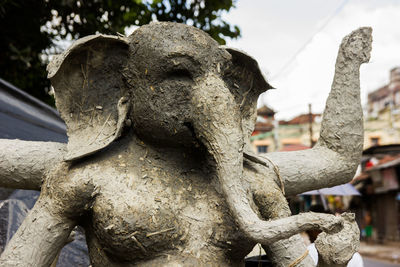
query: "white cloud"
309, 76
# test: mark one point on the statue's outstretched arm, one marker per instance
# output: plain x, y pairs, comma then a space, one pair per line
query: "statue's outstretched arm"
24, 164
335, 157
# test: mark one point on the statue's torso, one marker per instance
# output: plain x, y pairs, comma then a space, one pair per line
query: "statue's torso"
152, 209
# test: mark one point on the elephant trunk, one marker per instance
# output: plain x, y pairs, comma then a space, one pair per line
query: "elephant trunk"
217, 124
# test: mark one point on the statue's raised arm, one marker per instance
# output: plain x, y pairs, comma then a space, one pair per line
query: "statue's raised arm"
331, 162
335, 157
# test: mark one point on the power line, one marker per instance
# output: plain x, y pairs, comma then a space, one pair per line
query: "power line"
335, 13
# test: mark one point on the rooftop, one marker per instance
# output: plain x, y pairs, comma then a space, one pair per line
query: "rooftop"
265, 111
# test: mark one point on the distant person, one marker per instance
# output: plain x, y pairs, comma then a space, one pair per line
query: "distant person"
367, 226
356, 260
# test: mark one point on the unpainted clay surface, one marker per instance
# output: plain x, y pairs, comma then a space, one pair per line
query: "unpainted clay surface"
157, 169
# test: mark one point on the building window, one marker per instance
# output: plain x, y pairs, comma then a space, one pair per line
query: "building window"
374, 141
262, 149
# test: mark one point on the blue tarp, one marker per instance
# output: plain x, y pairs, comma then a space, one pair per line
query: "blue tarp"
26, 118
339, 190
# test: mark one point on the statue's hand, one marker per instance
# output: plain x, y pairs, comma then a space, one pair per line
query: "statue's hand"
332, 224
338, 248
358, 45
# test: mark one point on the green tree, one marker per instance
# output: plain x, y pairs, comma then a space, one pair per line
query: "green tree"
30, 29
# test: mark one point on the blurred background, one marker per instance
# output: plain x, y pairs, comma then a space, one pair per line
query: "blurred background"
295, 44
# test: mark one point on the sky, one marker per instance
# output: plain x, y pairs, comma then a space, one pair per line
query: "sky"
296, 43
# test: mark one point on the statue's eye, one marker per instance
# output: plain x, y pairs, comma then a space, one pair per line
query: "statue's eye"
180, 75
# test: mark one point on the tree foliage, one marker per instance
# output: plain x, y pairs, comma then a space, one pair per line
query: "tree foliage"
31, 30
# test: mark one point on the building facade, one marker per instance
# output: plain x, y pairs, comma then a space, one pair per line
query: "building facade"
270, 135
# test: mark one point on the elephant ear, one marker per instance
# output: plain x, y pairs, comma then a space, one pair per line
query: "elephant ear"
247, 83
90, 92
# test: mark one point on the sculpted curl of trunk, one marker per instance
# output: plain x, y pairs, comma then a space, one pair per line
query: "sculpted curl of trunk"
217, 124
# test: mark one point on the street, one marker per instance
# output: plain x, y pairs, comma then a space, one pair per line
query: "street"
368, 262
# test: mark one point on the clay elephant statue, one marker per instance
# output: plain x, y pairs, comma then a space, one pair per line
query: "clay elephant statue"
158, 168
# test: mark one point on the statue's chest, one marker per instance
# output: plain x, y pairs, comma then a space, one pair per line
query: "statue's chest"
142, 214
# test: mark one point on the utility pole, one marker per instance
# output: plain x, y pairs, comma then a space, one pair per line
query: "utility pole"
276, 134
310, 121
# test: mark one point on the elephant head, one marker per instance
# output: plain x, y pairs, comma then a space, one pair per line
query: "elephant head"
174, 85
